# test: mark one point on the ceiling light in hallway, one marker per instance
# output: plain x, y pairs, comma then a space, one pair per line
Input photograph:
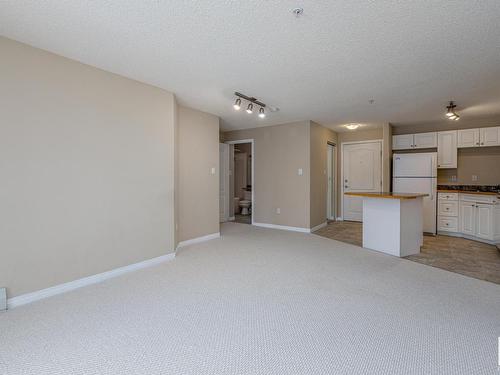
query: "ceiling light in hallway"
250, 108
237, 104
352, 126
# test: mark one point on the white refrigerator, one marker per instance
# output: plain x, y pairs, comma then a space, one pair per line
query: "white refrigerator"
417, 173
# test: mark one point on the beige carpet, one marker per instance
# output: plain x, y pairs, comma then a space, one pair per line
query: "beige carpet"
263, 301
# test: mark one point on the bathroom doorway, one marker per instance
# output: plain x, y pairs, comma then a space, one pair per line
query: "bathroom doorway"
241, 178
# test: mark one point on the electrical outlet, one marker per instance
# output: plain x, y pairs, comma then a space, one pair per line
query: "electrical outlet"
3, 299
474, 177
278, 210
453, 178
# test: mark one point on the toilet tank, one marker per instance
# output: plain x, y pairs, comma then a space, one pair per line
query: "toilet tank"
248, 195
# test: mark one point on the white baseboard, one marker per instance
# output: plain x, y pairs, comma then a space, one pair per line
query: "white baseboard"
198, 239
317, 227
340, 219
232, 218
24, 299
283, 227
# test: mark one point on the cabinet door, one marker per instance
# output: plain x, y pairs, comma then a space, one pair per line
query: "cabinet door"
468, 138
402, 142
484, 221
425, 140
447, 149
467, 218
489, 136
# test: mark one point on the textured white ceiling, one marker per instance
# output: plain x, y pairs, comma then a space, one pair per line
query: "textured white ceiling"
410, 56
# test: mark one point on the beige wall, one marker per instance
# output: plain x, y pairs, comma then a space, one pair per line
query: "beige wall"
483, 162
279, 152
198, 189
320, 136
383, 133
87, 164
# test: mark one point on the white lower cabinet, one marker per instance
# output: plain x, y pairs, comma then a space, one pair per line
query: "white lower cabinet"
467, 218
478, 216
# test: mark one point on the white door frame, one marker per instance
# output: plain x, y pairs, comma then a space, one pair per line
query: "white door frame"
331, 199
253, 170
381, 141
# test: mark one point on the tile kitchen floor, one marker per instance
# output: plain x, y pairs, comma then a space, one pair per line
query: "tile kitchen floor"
470, 258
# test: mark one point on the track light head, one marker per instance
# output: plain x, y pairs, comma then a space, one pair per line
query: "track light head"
262, 114
250, 108
450, 112
237, 104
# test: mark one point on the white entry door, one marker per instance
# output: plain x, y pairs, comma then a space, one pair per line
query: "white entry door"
224, 182
362, 172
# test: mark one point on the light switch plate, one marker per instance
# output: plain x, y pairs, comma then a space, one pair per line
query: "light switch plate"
300, 172
474, 177
3, 299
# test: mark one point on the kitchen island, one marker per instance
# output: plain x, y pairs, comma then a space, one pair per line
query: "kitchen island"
392, 222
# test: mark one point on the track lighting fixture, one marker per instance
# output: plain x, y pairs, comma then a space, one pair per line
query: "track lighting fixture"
450, 112
251, 101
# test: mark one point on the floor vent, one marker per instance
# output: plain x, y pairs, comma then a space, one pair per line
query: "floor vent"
3, 299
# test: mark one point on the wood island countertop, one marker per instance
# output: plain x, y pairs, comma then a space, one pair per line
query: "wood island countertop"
387, 195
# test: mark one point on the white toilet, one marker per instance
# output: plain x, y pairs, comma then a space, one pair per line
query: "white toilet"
246, 204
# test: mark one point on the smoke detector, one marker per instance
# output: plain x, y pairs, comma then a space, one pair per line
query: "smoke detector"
298, 12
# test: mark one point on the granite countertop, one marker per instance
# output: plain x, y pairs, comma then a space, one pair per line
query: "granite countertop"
468, 192
387, 195
470, 189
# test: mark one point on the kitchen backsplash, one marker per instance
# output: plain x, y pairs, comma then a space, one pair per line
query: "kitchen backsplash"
475, 167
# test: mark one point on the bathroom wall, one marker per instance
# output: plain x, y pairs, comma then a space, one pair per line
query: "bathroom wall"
280, 151
198, 191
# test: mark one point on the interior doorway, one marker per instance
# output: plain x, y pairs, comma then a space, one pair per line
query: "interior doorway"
331, 182
241, 181
361, 172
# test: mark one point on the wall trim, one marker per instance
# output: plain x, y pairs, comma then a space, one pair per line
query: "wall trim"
232, 218
24, 299
339, 219
198, 240
317, 227
283, 227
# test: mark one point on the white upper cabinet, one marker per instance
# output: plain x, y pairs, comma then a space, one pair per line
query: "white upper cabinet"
483, 137
447, 149
414, 141
468, 138
402, 142
425, 140
490, 136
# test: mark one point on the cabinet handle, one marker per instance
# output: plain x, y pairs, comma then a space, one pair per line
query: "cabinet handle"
477, 143
482, 143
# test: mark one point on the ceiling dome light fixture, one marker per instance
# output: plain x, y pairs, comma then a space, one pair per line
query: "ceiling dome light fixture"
450, 112
251, 102
237, 104
262, 113
352, 126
